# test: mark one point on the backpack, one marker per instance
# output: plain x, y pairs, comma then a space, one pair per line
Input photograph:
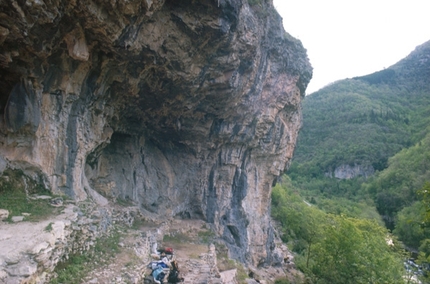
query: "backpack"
158, 274
174, 273
173, 276
161, 276
155, 264
162, 264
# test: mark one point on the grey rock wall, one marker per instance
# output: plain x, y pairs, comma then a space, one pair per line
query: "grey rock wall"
189, 109
349, 172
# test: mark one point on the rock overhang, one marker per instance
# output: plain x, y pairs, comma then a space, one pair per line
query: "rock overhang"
187, 108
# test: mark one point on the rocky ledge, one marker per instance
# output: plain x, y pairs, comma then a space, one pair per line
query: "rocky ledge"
188, 109
39, 252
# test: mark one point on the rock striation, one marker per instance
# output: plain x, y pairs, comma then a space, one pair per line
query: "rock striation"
189, 109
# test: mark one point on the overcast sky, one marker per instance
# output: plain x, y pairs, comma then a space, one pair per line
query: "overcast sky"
348, 38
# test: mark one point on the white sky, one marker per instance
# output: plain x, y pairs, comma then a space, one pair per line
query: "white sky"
348, 38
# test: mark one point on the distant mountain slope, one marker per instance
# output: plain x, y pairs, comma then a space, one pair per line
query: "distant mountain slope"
353, 126
395, 187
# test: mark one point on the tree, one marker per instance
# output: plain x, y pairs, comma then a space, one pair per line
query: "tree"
424, 250
424, 193
409, 227
310, 229
300, 222
354, 251
334, 248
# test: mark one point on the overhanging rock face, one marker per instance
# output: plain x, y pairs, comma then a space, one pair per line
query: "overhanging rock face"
188, 108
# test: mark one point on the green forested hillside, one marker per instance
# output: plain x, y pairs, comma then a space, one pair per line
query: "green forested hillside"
366, 120
407, 171
380, 121
363, 121
395, 191
351, 122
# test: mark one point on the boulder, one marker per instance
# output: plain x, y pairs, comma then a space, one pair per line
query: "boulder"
4, 214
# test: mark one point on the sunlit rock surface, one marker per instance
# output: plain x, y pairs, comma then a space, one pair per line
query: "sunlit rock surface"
189, 109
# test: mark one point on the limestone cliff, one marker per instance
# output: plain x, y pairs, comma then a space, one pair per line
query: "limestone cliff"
188, 108
346, 171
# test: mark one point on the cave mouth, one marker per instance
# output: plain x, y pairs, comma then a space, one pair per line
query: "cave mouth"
152, 176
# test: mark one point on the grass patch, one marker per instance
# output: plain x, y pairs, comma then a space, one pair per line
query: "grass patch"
133, 260
15, 188
193, 255
129, 264
125, 202
223, 261
138, 223
49, 227
242, 274
176, 238
282, 281
206, 236
294, 280
78, 266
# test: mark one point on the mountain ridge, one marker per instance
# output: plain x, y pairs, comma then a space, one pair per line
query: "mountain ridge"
386, 101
